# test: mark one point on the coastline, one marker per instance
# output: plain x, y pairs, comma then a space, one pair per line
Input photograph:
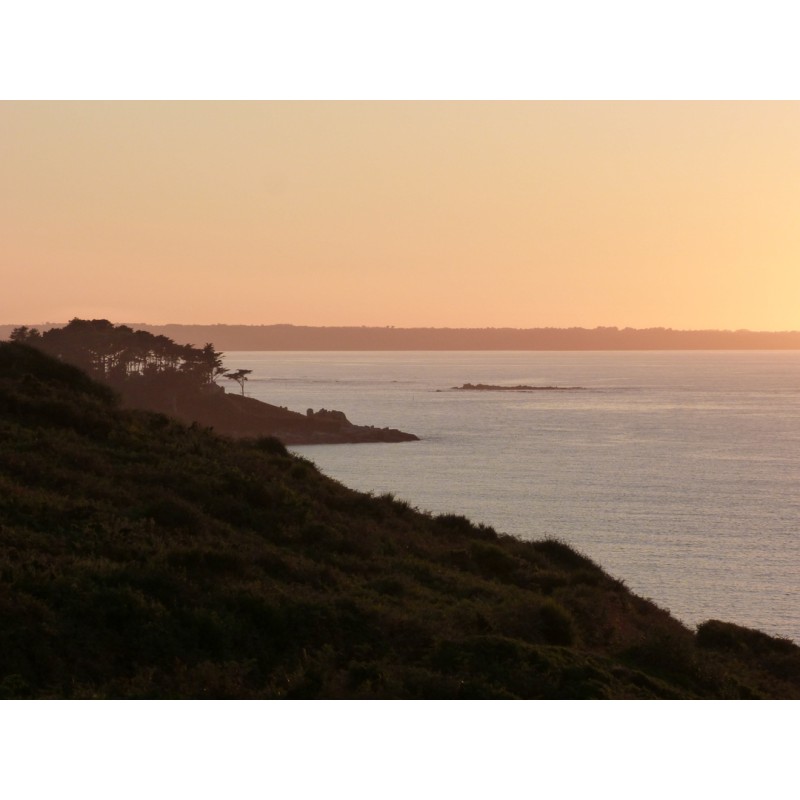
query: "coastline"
245, 417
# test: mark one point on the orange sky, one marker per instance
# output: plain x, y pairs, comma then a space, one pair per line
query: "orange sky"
473, 214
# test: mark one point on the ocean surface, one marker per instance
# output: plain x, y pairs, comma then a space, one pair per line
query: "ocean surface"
678, 472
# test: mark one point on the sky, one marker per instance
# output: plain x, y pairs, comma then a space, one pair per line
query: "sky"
430, 213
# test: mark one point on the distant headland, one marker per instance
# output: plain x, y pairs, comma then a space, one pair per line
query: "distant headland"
303, 337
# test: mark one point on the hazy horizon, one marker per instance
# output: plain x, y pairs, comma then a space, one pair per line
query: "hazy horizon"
194, 324
484, 214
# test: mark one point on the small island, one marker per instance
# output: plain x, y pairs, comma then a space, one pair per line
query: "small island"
488, 387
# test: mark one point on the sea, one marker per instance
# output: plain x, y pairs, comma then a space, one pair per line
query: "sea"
677, 472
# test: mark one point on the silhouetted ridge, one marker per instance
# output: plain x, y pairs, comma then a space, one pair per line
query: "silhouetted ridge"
304, 337
153, 372
20, 361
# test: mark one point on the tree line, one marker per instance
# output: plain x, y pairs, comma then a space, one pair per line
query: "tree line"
126, 358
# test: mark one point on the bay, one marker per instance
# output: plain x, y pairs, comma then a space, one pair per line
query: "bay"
677, 472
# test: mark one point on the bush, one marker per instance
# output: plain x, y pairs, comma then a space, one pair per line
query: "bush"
563, 555
492, 560
558, 626
271, 445
716, 635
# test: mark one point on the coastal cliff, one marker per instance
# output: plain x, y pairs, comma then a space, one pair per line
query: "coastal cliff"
143, 558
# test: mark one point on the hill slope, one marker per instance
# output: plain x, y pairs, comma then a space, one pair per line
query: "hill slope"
143, 558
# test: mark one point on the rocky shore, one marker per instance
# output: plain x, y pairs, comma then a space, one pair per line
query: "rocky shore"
237, 416
488, 387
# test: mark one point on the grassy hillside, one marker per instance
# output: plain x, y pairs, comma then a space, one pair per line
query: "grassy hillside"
140, 557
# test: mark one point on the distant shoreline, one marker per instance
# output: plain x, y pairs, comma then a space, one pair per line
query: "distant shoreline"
352, 338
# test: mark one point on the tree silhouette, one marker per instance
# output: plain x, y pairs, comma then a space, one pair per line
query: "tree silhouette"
127, 358
25, 334
240, 376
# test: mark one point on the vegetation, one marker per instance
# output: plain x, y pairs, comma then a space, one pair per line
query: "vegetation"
135, 363
240, 376
143, 558
156, 374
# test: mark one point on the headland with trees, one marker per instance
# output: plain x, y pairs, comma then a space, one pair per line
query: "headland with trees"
153, 372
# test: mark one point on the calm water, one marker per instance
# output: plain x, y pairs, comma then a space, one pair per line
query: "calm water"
676, 471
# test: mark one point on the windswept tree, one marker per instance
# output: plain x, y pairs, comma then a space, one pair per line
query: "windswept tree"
240, 376
204, 362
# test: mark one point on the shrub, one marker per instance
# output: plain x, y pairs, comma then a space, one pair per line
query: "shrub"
716, 635
558, 626
562, 554
455, 523
492, 560
271, 445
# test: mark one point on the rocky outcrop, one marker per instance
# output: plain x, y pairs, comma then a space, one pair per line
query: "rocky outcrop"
234, 415
488, 387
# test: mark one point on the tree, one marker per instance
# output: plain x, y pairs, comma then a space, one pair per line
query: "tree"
25, 334
127, 359
240, 376
211, 362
